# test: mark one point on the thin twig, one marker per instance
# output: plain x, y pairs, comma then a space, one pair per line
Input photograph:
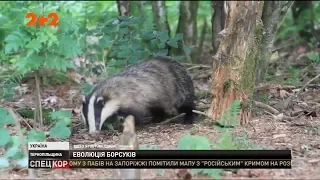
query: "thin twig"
199, 112
24, 148
22, 119
171, 119
288, 101
282, 20
199, 66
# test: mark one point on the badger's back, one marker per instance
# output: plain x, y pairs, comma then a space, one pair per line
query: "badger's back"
161, 80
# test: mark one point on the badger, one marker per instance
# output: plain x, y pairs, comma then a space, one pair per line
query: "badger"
158, 88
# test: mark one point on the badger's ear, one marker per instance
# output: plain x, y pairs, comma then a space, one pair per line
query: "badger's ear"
83, 99
100, 100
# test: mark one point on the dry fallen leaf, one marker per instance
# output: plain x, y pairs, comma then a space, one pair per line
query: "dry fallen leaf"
284, 93
62, 90
278, 117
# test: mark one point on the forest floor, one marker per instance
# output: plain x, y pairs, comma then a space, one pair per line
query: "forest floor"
300, 134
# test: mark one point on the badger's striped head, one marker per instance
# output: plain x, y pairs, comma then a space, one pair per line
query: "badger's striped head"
96, 110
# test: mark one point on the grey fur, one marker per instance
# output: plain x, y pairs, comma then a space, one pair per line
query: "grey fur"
162, 82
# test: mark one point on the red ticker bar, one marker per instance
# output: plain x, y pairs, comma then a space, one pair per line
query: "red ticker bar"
163, 164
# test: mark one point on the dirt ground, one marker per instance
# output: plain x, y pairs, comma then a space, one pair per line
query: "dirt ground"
301, 135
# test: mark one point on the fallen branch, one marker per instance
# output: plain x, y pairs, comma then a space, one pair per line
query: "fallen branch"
266, 107
272, 111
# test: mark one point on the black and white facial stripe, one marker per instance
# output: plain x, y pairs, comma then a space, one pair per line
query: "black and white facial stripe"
96, 110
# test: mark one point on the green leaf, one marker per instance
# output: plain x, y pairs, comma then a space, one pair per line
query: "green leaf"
5, 137
68, 47
83, 30
186, 49
154, 43
6, 118
68, 121
226, 142
138, 53
123, 31
135, 44
4, 162
23, 162
60, 114
148, 36
34, 44
124, 24
132, 60
172, 43
12, 151
120, 62
124, 53
60, 130
178, 58
178, 37
113, 53
124, 45
161, 45
163, 36
229, 117
104, 41
34, 136
9, 47
110, 21
189, 142
11, 37
108, 29
136, 20
163, 52
123, 18
15, 141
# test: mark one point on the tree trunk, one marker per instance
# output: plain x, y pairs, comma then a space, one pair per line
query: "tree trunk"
188, 26
218, 23
201, 41
298, 8
270, 17
123, 8
236, 59
160, 17
140, 8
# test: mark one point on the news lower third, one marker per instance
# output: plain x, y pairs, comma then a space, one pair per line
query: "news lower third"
63, 155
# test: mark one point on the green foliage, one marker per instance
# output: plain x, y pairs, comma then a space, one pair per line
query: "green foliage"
293, 78
314, 57
128, 43
12, 143
34, 48
193, 143
6, 90
229, 117
60, 130
290, 28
